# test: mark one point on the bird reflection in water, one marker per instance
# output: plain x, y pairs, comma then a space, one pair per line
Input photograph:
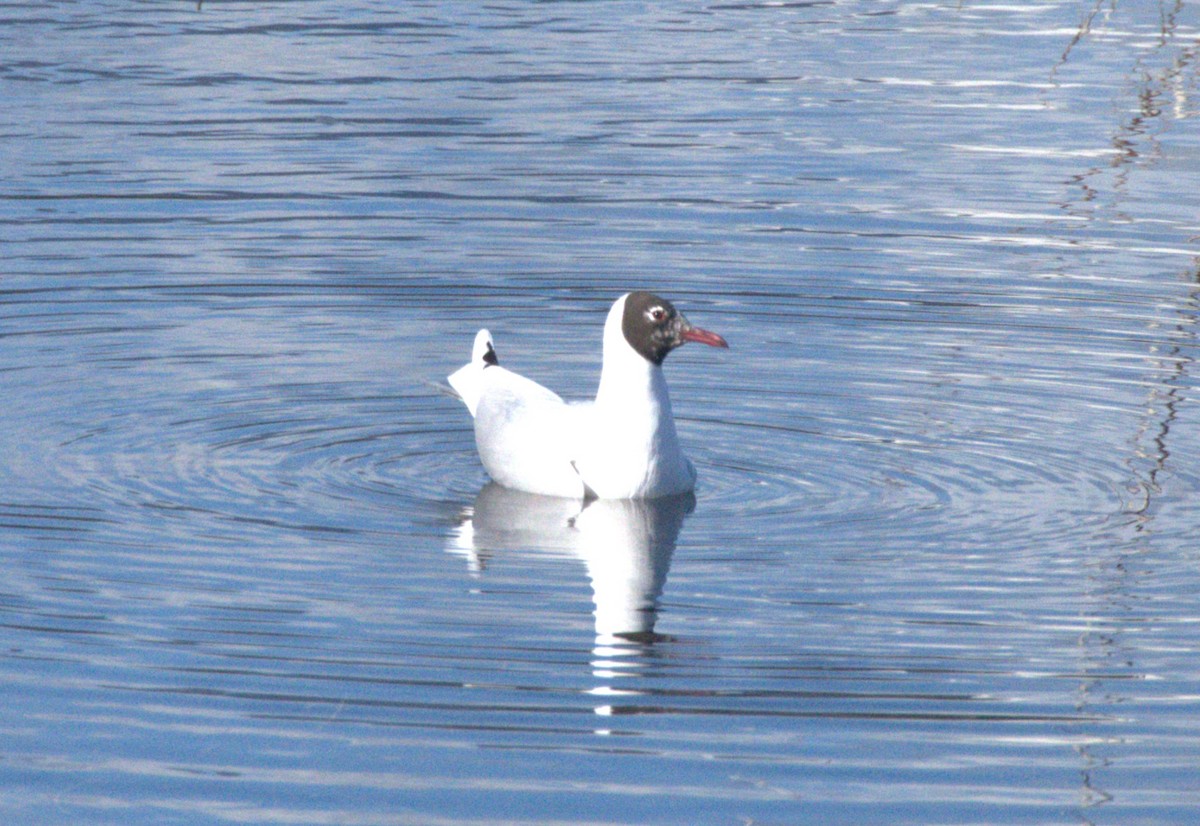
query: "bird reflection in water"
626, 545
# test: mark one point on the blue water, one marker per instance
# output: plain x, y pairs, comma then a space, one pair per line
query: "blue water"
941, 563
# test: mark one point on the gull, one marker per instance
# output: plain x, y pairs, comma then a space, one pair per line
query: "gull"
622, 445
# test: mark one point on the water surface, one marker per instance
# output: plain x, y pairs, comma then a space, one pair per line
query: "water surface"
941, 563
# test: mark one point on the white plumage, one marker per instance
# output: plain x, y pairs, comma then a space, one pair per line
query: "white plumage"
623, 445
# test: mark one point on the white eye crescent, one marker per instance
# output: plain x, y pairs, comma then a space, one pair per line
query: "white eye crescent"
656, 314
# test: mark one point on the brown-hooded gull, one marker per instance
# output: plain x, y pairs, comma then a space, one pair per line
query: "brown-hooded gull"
621, 446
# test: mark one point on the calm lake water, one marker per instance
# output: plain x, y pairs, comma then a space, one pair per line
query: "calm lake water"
942, 565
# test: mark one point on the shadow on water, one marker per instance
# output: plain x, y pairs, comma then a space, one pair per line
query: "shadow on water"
1163, 95
1113, 584
1165, 395
1160, 82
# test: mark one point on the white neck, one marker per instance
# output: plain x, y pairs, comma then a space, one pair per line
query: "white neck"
631, 448
632, 388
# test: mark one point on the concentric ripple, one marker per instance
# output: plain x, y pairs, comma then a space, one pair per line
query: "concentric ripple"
947, 448
301, 463
993, 460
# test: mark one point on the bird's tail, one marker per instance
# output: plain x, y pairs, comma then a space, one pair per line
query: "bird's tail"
467, 380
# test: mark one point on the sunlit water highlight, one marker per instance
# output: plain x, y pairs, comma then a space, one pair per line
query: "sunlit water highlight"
941, 564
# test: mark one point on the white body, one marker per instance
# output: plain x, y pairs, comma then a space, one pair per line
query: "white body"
621, 446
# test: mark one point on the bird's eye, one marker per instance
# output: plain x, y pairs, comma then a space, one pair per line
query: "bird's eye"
657, 314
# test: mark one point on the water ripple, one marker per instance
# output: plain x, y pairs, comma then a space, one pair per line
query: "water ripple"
940, 567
